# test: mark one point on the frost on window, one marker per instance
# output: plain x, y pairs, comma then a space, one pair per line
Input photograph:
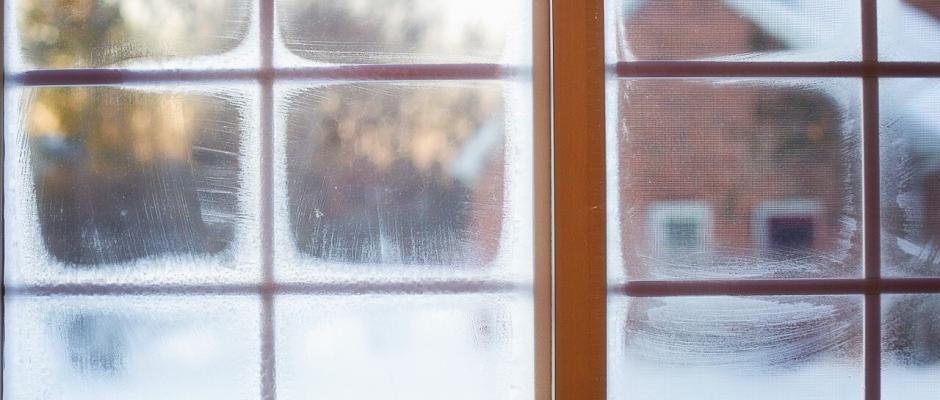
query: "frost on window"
910, 176
738, 30
395, 173
466, 347
746, 178
909, 30
911, 346
775, 348
104, 347
95, 33
120, 175
401, 31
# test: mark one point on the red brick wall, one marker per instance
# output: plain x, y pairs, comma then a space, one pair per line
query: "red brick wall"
683, 29
733, 147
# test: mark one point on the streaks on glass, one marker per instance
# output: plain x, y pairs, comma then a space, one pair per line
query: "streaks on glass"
910, 177
131, 347
404, 347
738, 179
735, 348
909, 30
96, 33
401, 31
112, 176
911, 347
396, 173
737, 30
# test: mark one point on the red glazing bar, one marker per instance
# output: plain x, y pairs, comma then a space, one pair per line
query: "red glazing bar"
872, 201
68, 77
737, 69
404, 72
636, 288
777, 287
329, 288
268, 353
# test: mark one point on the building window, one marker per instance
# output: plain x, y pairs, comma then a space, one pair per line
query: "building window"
787, 228
679, 229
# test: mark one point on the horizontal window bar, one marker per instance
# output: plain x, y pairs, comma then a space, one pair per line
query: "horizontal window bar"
397, 72
345, 288
776, 287
706, 69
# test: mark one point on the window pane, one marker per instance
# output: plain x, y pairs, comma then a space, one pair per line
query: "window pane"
94, 33
404, 31
910, 177
128, 185
739, 30
735, 348
131, 347
399, 177
405, 347
911, 345
909, 30
720, 179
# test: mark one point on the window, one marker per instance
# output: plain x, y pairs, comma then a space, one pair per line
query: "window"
232, 199
803, 126
678, 228
644, 199
788, 228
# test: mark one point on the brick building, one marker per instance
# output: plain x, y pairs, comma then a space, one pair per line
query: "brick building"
741, 178
744, 178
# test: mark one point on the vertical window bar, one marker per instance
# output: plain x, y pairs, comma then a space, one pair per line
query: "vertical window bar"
268, 359
872, 201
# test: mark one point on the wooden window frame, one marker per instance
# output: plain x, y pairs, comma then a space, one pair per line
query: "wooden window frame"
570, 288
265, 76
579, 157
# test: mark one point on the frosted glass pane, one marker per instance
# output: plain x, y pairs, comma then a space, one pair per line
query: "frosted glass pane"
129, 184
911, 347
94, 33
739, 30
405, 347
909, 30
769, 348
131, 348
402, 178
404, 31
910, 177
735, 179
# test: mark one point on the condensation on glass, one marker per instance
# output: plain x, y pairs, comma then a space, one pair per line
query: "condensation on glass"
122, 184
675, 348
734, 30
910, 177
403, 31
369, 180
140, 347
52, 34
401, 179
910, 339
405, 347
908, 30
134, 260
719, 179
